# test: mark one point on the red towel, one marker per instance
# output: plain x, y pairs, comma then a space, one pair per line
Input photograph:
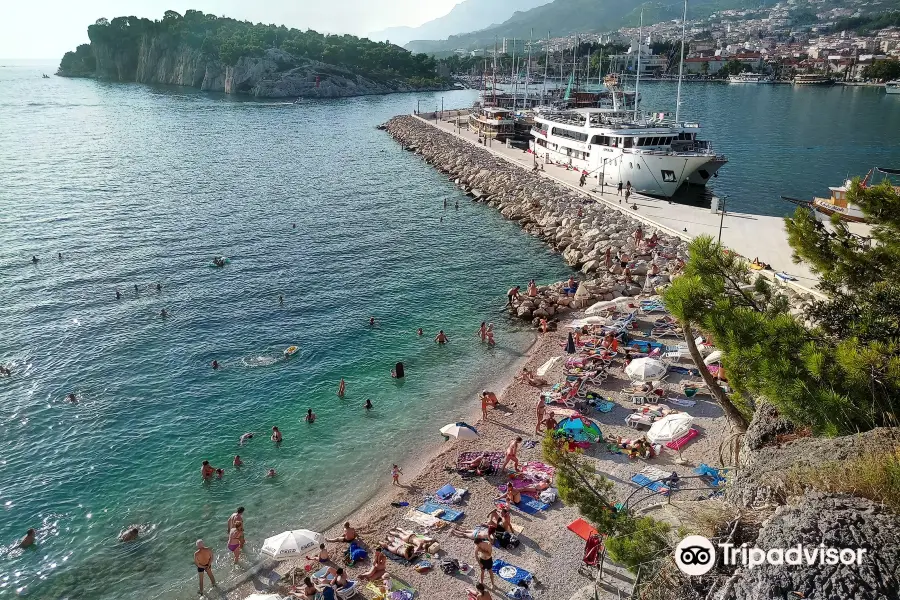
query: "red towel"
582, 529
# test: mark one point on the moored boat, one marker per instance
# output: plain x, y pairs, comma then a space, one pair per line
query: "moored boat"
838, 203
892, 87
813, 79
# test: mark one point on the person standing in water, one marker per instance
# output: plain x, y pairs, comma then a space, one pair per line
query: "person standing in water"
276, 435
440, 338
482, 331
310, 416
490, 334
118, 295
368, 405
342, 387
203, 559
215, 364
281, 300
136, 289
234, 540
34, 260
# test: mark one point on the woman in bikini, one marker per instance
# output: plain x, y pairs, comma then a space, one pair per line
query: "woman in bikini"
234, 540
379, 566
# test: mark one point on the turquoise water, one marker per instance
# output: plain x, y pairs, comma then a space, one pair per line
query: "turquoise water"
139, 185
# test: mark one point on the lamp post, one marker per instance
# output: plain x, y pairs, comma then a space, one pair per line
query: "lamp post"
722, 217
418, 106
442, 107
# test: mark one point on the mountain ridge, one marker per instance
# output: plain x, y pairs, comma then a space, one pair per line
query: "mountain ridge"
467, 16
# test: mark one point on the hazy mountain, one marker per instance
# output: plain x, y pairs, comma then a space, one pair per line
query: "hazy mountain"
469, 15
564, 17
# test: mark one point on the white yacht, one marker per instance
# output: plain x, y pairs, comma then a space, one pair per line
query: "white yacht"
749, 78
655, 155
892, 87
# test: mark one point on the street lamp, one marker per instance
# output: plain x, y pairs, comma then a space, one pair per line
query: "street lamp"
722, 217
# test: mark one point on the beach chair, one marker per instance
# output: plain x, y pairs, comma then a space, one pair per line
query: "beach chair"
348, 591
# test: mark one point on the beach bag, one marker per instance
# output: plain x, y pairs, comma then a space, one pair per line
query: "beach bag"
548, 496
504, 539
513, 541
450, 566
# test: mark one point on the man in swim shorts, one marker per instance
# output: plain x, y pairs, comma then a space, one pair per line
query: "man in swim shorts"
203, 559
207, 470
485, 559
348, 536
236, 516
440, 338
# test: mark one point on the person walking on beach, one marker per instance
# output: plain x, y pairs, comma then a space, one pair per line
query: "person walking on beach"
395, 475
638, 235
310, 416
619, 191
541, 407
482, 331
484, 406
485, 559
341, 388
203, 559
276, 435
570, 344
441, 338
512, 454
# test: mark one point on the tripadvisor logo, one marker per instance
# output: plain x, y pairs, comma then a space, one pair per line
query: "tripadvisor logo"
696, 555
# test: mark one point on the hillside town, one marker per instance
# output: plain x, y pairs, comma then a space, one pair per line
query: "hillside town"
783, 40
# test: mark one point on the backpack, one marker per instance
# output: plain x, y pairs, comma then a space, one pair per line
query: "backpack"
503, 539
450, 566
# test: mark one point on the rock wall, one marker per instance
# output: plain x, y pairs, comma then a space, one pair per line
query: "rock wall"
276, 74
572, 224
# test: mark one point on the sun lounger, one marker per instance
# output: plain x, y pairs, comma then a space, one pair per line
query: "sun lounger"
510, 575
441, 512
645, 482
680, 402
683, 440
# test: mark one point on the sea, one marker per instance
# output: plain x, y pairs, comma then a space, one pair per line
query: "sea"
138, 185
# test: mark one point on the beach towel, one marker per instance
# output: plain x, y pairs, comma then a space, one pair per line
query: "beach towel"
446, 492
441, 512
512, 574
645, 482
683, 440
529, 444
395, 586
495, 459
399, 559
681, 402
684, 371
424, 520
530, 506
581, 528
605, 407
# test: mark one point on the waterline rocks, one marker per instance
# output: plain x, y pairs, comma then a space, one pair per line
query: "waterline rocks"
573, 224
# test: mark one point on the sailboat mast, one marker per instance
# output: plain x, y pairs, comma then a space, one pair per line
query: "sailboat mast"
600, 72
575, 63
528, 69
680, 64
494, 82
515, 74
546, 69
637, 81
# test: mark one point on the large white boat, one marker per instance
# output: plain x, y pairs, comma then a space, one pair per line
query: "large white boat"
892, 87
492, 122
749, 78
813, 79
655, 155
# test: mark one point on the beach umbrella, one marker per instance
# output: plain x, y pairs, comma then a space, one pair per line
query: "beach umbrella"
545, 368
670, 427
579, 323
290, 544
714, 356
601, 306
580, 429
645, 369
460, 431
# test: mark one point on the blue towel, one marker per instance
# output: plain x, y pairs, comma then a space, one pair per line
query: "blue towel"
521, 574
656, 486
449, 515
446, 492
531, 506
605, 407
357, 552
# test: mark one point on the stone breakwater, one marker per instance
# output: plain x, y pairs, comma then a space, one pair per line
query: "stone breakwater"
578, 227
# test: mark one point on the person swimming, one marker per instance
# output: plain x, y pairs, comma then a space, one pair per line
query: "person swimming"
280, 300
368, 405
271, 473
118, 295
158, 287
371, 321
136, 289
237, 462
245, 437
276, 435
215, 364
419, 331
34, 260
59, 255
220, 473
163, 314
342, 387
310, 416
72, 398
129, 535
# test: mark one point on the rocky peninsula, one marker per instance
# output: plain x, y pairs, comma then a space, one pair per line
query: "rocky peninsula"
263, 61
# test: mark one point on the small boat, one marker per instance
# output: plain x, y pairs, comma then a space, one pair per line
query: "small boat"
750, 78
892, 87
838, 203
45, 76
290, 351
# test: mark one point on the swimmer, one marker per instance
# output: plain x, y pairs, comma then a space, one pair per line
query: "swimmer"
118, 295
245, 437
271, 473
342, 387
5, 371
237, 462
371, 321
442, 219
72, 398
368, 405
207, 470
482, 331
310, 416
158, 287
215, 364
281, 300
59, 255
441, 338
419, 331
129, 535
163, 313
34, 260
135, 288
220, 473
490, 335
28, 540
276, 435
293, 226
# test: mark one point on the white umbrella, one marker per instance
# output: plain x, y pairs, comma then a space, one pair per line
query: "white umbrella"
714, 356
670, 427
545, 368
460, 431
579, 323
601, 306
645, 369
290, 544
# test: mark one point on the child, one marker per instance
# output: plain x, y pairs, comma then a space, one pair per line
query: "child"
395, 474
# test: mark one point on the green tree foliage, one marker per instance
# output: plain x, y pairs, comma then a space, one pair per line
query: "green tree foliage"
868, 23
734, 67
81, 62
229, 40
639, 541
882, 70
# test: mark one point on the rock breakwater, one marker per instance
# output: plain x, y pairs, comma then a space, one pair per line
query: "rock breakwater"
612, 250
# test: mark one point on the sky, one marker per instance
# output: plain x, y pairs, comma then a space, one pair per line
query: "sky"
39, 29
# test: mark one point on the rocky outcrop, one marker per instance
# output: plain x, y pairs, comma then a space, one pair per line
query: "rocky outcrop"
581, 230
275, 74
836, 522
